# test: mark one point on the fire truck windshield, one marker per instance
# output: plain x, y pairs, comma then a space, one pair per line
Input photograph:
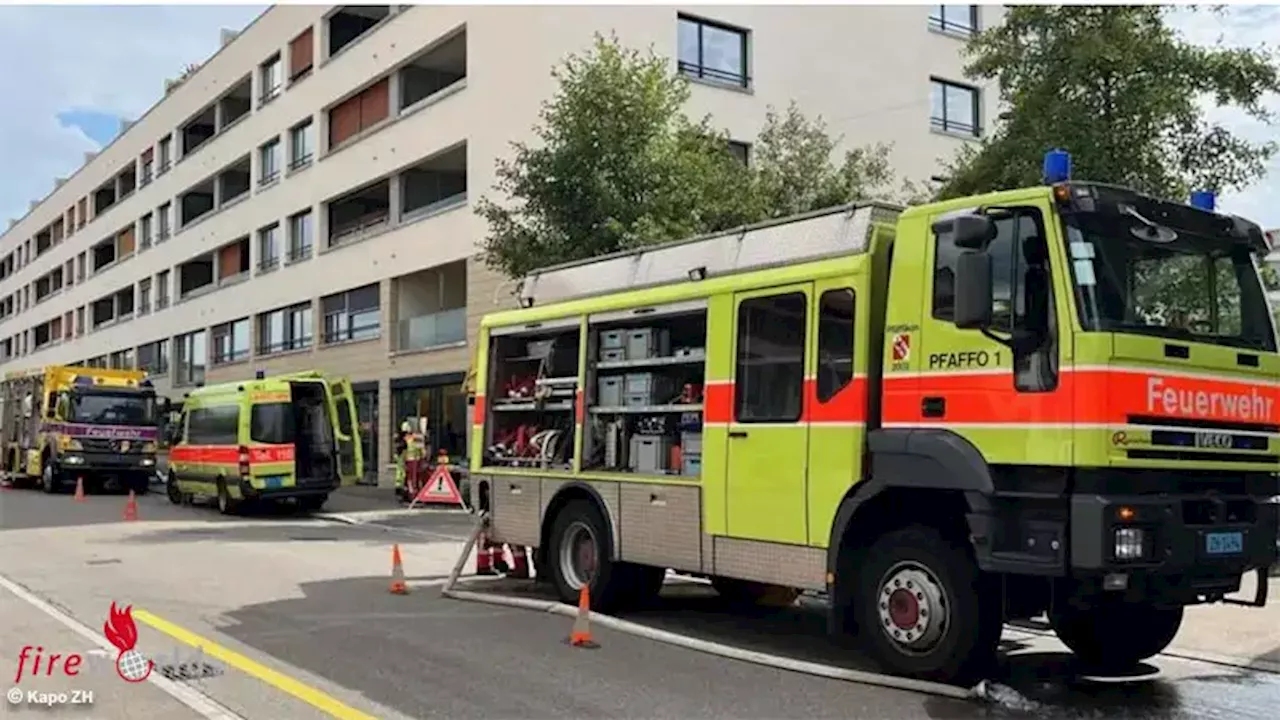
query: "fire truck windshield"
1134, 276
104, 407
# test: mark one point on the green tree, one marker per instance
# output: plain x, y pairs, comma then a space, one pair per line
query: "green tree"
618, 165
1120, 90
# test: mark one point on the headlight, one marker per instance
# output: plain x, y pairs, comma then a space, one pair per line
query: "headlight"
1130, 543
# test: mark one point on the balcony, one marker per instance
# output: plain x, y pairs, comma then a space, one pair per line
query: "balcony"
233, 182
233, 262
195, 275
198, 130
434, 70
104, 197
103, 253
197, 202
431, 307
437, 183
359, 214
235, 105
351, 22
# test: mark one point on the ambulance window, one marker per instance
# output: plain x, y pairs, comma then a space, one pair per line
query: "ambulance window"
835, 342
769, 378
218, 425
272, 423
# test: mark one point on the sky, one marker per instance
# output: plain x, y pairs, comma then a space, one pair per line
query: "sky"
84, 68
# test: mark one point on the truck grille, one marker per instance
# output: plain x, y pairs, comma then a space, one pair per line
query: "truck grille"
1181, 440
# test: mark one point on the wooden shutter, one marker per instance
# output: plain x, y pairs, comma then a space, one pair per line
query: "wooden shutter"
375, 103
126, 244
344, 121
229, 261
301, 52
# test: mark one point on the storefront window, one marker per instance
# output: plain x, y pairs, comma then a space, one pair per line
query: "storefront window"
444, 407
367, 416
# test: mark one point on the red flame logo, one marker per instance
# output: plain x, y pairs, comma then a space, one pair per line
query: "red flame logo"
131, 665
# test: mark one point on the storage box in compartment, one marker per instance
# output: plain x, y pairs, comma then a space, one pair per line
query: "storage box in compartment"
613, 340
649, 454
654, 388
540, 348
609, 355
691, 443
610, 392
692, 465
648, 343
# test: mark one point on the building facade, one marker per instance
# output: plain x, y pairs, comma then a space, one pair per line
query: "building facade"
302, 199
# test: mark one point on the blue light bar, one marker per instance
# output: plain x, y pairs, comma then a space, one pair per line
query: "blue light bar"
82, 380
1203, 199
1057, 167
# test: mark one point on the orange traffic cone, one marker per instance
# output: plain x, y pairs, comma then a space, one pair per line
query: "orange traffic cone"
80, 489
131, 507
580, 636
398, 586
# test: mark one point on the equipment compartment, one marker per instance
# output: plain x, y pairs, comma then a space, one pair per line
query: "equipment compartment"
645, 389
532, 395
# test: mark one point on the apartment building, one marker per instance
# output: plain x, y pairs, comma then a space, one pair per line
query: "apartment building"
302, 199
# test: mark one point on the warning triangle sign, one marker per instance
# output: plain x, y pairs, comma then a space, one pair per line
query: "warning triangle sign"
440, 489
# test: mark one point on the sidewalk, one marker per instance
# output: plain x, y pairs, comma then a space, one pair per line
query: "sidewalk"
1243, 636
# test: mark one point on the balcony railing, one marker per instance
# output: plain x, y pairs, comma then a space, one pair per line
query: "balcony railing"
432, 330
359, 227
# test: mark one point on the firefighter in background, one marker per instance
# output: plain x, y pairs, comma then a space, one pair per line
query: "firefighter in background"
401, 444
415, 455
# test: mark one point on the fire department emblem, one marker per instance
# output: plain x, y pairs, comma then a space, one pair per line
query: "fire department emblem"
901, 347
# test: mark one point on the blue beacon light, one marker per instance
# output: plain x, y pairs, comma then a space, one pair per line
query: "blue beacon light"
1203, 199
1057, 167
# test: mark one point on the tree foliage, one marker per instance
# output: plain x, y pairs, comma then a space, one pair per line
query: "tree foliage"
618, 165
1118, 88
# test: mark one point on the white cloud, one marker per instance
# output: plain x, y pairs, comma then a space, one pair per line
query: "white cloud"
1242, 26
103, 59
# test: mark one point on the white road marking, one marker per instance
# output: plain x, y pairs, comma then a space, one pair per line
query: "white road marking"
201, 704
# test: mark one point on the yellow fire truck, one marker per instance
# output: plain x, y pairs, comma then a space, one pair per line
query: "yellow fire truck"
60, 424
1058, 400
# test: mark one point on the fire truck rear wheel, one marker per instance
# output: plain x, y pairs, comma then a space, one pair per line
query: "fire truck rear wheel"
581, 552
925, 610
1116, 635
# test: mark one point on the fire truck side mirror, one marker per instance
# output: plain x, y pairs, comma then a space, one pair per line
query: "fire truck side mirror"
974, 292
971, 232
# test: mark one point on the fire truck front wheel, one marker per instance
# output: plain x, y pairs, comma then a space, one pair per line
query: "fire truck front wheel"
50, 478
925, 610
581, 552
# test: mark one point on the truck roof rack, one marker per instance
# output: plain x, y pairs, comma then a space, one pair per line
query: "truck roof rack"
841, 230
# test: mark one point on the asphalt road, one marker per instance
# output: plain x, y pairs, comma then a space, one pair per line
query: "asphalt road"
308, 598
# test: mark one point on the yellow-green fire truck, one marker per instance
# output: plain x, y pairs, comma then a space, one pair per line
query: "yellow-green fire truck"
1059, 400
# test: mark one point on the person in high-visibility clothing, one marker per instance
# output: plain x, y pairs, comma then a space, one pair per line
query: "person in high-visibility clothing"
415, 453
401, 443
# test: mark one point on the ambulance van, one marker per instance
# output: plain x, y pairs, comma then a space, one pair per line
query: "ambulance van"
267, 440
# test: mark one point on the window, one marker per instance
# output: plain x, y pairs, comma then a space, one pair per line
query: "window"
301, 144
954, 108
285, 329
166, 154
769, 378
711, 51
269, 162
122, 359
835, 342
231, 342
215, 425
162, 290
352, 315
1015, 236
741, 151
162, 222
301, 54
272, 423
271, 75
959, 19
144, 231
269, 247
154, 357
300, 236
144, 296
192, 353
148, 166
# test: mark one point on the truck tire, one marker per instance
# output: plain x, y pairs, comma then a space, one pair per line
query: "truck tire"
172, 490
226, 505
312, 503
924, 608
1115, 635
50, 478
581, 552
